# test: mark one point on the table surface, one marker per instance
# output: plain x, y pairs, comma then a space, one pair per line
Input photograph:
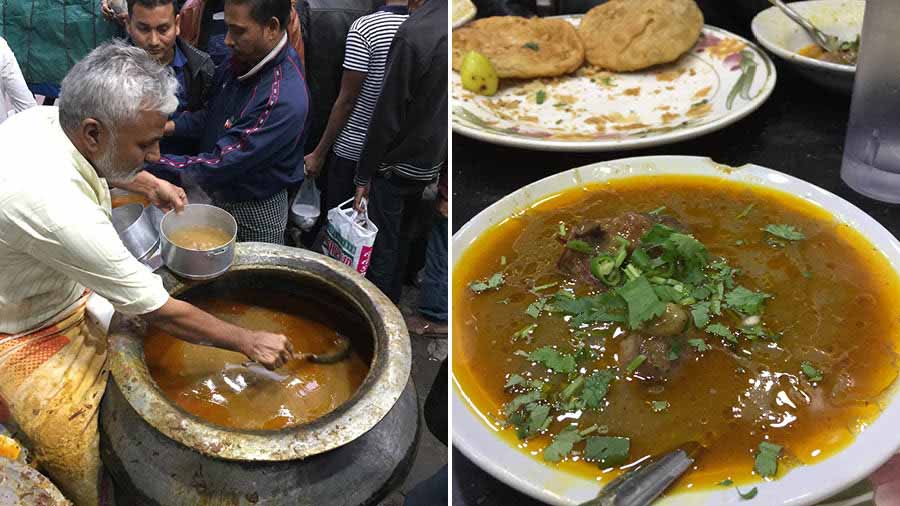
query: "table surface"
799, 130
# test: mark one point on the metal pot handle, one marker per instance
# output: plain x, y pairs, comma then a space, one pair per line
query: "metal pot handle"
217, 252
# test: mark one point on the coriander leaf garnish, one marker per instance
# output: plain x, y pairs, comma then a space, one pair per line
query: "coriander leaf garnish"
811, 373
595, 388
657, 210
717, 329
658, 406
725, 483
534, 309
562, 444
675, 350
540, 97
643, 303
521, 400
531, 45
525, 332
700, 314
607, 451
514, 380
553, 359
580, 246
746, 211
562, 229
492, 283
699, 344
604, 307
785, 232
635, 363
538, 416
544, 287
767, 459
750, 494
745, 301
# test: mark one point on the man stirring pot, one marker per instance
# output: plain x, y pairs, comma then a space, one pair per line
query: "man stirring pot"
57, 245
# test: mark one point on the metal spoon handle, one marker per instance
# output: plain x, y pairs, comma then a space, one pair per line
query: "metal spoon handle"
818, 36
641, 487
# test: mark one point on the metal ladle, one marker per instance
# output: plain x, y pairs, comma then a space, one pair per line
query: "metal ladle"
827, 42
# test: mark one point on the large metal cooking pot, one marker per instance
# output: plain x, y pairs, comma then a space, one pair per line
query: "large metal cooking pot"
198, 264
169, 457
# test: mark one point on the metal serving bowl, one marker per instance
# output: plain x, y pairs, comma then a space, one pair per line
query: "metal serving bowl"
198, 264
138, 227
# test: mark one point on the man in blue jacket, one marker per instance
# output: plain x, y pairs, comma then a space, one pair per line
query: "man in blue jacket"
251, 135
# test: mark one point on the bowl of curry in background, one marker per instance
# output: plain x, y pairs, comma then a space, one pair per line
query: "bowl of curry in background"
786, 39
781, 362
198, 242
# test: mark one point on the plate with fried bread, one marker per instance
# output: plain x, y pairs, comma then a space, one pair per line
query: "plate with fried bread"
628, 74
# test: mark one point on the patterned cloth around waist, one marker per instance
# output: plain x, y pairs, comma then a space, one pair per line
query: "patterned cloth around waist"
260, 220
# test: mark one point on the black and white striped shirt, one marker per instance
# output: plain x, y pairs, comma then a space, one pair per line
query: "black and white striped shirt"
368, 45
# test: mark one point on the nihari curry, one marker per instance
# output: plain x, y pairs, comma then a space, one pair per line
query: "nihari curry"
221, 387
846, 52
199, 237
619, 321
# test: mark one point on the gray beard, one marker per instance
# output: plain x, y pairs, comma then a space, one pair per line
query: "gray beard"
106, 166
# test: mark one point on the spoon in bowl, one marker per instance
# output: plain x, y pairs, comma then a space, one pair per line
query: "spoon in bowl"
642, 486
829, 43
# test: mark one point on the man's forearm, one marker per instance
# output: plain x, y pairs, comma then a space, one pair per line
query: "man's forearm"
340, 113
144, 183
194, 325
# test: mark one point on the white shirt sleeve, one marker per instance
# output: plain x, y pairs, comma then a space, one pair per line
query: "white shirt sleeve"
12, 83
86, 249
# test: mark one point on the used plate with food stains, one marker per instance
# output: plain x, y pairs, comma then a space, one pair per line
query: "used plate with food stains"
719, 81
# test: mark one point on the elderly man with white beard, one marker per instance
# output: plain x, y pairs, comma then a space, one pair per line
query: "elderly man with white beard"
58, 246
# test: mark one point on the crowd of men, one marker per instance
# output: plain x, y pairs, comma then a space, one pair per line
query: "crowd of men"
211, 98
253, 120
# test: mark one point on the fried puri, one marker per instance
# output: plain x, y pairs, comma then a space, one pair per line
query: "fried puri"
521, 47
625, 35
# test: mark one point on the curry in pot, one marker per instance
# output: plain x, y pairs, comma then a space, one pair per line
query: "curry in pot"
619, 321
220, 387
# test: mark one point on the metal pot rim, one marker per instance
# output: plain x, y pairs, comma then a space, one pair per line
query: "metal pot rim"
382, 386
233, 238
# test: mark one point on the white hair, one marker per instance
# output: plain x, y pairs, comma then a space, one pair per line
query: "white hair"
114, 83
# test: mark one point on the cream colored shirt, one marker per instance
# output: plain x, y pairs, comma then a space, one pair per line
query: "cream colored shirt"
56, 237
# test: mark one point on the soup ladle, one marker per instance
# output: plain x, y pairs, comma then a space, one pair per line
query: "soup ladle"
642, 486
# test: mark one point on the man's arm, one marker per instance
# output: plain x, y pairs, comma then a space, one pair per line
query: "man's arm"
159, 192
194, 325
351, 85
250, 144
80, 243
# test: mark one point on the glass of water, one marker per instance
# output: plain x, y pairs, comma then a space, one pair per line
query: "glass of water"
871, 163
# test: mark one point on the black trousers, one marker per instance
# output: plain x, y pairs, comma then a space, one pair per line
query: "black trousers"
393, 204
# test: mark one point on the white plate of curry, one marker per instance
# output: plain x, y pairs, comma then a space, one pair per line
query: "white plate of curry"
780, 360
719, 81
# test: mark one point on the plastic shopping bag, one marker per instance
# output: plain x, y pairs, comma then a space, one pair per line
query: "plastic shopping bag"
349, 236
306, 207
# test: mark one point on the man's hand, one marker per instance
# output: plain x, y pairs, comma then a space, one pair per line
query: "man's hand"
442, 205
110, 15
169, 129
362, 193
312, 164
167, 196
270, 350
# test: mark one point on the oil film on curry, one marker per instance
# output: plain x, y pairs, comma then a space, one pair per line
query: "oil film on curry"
658, 329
